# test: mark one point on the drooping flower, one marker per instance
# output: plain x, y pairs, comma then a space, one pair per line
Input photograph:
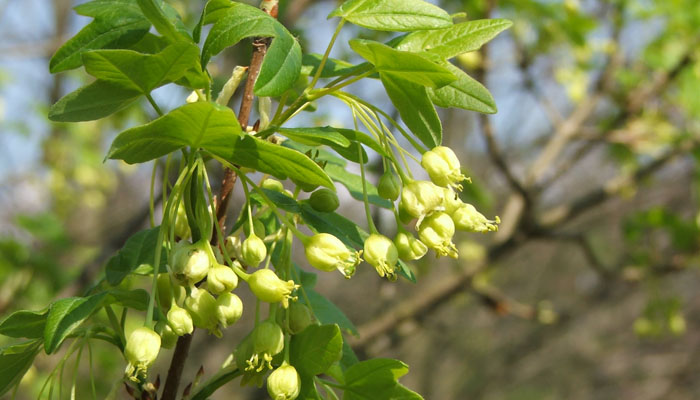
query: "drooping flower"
221, 279
443, 167
142, 348
327, 253
268, 287
409, 247
418, 198
253, 250
467, 218
436, 232
180, 320
229, 309
284, 383
381, 253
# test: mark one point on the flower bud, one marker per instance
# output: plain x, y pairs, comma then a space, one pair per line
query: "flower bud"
389, 186
190, 263
233, 246
166, 289
467, 218
182, 228
180, 320
300, 317
443, 167
419, 198
381, 253
327, 253
269, 288
141, 350
324, 200
284, 383
273, 184
436, 232
168, 338
451, 201
221, 279
409, 247
202, 307
253, 250
229, 309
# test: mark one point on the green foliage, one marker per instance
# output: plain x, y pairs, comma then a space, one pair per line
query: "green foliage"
177, 256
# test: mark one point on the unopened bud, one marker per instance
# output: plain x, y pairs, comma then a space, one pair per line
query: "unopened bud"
167, 289
324, 200
229, 309
202, 307
327, 253
389, 186
409, 247
273, 184
381, 253
268, 287
168, 337
418, 198
256, 350
253, 250
180, 320
190, 263
436, 232
233, 246
443, 167
467, 218
284, 383
182, 228
300, 317
221, 279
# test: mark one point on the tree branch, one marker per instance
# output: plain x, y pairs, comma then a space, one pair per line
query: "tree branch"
260, 45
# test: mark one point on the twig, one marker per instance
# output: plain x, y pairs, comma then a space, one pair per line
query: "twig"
260, 45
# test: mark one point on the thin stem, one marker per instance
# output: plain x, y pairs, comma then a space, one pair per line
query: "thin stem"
322, 64
115, 324
92, 375
153, 103
151, 199
372, 228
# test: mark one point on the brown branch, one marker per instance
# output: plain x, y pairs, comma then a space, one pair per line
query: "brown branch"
260, 45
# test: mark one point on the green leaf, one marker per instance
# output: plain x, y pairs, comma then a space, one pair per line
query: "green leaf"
353, 183
233, 24
454, 40
142, 72
137, 255
160, 21
328, 313
465, 92
332, 68
66, 315
377, 379
316, 136
136, 299
94, 101
115, 26
24, 324
14, 363
415, 108
402, 64
315, 349
281, 66
393, 15
215, 9
278, 161
281, 200
200, 124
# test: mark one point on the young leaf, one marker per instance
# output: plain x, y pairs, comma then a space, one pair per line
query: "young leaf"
24, 324
66, 315
332, 68
142, 72
136, 299
233, 24
393, 15
415, 108
118, 25
14, 363
94, 101
402, 64
200, 124
281, 65
138, 253
353, 183
315, 349
160, 21
377, 379
465, 92
455, 40
281, 200
316, 136
328, 313
278, 161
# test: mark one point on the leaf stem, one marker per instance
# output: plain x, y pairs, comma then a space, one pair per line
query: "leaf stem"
368, 214
153, 103
322, 64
